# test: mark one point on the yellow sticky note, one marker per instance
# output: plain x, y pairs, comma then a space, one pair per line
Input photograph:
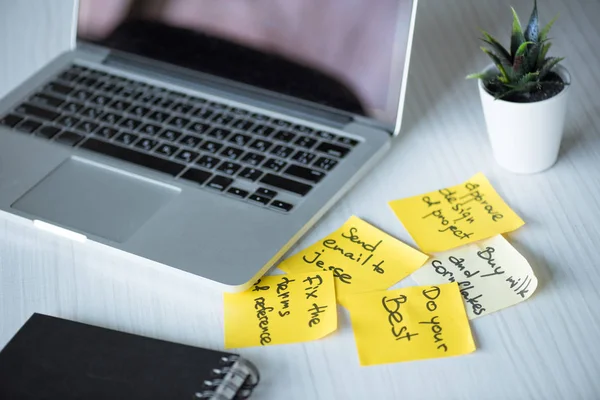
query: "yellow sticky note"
491, 275
410, 324
361, 257
281, 309
455, 216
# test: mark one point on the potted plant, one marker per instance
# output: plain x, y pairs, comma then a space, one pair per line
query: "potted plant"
524, 97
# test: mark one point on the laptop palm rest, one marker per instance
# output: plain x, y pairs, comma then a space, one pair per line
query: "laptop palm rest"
95, 199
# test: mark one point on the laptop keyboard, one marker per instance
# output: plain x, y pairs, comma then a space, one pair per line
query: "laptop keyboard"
206, 142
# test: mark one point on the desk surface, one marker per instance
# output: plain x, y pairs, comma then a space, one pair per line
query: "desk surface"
545, 348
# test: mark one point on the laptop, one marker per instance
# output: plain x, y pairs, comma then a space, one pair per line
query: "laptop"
206, 136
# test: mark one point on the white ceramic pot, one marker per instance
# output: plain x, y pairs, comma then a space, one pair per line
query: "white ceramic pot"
526, 137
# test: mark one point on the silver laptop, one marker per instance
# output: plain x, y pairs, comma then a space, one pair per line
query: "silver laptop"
207, 136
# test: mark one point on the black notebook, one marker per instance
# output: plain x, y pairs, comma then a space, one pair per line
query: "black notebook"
52, 358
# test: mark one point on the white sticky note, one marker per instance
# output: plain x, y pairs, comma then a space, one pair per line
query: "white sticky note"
491, 275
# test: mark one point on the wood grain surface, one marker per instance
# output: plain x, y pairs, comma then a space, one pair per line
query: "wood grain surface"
544, 348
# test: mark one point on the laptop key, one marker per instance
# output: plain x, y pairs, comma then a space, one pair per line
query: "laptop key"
86, 126
286, 184
146, 144
199, 127
181, 108
10, 120
274, 164
233, 153
239, 139
203, 113
47, 131
259, 117
242, 124
69, 138
282, 151
72, 108
260, 145
284, 136
133, 156
303, 129
219, 182
211, 147
190, 141
263, 130
158, 116
347, 141
47, 100
253, 158
326, 135
82, 95
220, 118
119, 105
281, 123
127, 138
229, 168
139, 111
186, 155
219, 133
59, 88
305, 173
149, 129
239, 111
266, 192
92, 112
28, 126
100, 99
130, 123
67, 121
306, 142
281, 205
110, 118
166, 150
208, 162
37, 112
259, 199
237, 192
332, 149
170, 135
179, 122
106, 132
196, 175
251, 174
325, 163
303, 157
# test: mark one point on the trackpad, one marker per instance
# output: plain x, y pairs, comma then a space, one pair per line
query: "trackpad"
95, 199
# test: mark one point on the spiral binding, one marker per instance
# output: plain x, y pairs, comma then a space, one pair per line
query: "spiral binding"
235, 379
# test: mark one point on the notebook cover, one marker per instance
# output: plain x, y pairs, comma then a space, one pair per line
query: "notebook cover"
52, 358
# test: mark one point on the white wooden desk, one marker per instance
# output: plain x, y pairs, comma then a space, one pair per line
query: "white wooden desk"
545, 348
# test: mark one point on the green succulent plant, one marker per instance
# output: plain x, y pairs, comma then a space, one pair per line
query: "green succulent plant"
524, 72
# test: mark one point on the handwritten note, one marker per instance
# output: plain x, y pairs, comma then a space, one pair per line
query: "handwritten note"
281, 309
361, 257
410, 324
452, 217
491, 275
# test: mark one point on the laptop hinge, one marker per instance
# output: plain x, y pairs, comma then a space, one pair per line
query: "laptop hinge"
229, 89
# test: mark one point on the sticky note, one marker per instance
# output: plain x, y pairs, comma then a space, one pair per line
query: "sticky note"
491, 275
455, 216
361, 257
281, 309
411, 323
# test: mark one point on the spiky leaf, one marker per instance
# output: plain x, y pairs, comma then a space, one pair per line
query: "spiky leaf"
549, 63
479, 75
528, 77
517, 37
497, 62
542, 55
502, 53
533, 26
531, 57
546, 29
525, 88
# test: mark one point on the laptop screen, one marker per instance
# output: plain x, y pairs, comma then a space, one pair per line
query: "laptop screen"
344, 54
